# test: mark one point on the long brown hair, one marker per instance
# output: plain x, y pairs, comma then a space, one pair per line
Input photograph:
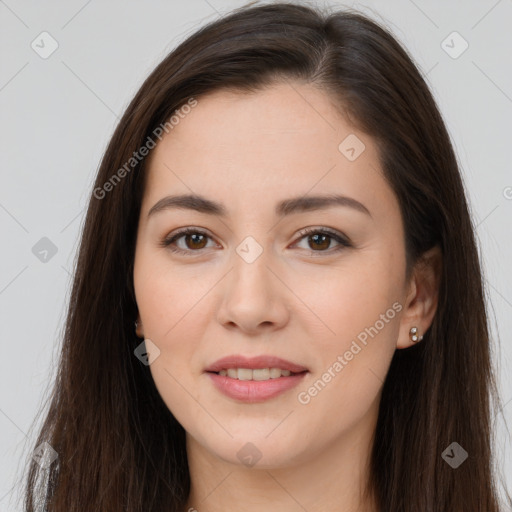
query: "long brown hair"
119, 447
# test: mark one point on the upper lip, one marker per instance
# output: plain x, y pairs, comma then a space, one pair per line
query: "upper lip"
263, 361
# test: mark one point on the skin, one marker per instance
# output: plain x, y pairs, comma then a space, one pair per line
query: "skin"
300, 299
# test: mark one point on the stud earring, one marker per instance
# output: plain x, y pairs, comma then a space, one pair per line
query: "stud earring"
413, 335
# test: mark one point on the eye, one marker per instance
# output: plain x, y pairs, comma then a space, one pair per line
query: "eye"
194, 241
321, 239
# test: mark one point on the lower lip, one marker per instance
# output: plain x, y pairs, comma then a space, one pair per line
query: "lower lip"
251, 391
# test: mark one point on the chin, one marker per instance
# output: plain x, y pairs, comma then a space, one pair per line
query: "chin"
257, 452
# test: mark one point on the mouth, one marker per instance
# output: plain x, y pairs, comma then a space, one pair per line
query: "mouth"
254, 379
258, 366
257, 374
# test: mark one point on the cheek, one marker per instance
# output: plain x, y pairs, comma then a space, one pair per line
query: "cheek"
343, 302
348, 379
360, 316
171, 303
173, 317
169, 297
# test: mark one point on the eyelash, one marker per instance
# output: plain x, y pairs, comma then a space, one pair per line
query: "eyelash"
344, 243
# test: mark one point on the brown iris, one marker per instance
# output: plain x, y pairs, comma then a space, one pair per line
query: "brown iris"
196, 242
325, 243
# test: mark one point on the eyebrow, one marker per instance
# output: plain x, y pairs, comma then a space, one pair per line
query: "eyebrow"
285, 207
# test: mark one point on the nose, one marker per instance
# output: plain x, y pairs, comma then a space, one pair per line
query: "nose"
255, 297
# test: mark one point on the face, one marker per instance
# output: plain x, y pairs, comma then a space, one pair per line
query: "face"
320, 286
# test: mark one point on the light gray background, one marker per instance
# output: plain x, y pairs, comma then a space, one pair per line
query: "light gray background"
58, 114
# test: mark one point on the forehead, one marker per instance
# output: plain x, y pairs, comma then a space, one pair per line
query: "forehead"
273, 118
285, 140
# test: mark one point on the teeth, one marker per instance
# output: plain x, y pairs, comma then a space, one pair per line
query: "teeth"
261, 374
256, 374
244, 374
275, 373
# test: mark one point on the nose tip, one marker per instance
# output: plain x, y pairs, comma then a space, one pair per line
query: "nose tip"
252, 295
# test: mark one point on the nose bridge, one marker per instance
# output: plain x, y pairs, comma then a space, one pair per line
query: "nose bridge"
251, 262
252, 294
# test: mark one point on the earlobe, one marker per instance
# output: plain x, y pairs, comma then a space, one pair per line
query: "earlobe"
421, 303
139, 327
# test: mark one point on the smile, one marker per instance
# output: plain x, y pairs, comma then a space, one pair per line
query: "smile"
254, 379
255, 374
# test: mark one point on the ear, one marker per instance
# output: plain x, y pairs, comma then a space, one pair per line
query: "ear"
139, 329
421, 302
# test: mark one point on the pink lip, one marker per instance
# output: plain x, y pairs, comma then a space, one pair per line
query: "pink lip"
251, 391
239, 361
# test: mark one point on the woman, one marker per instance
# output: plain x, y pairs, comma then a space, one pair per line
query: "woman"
281, 214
